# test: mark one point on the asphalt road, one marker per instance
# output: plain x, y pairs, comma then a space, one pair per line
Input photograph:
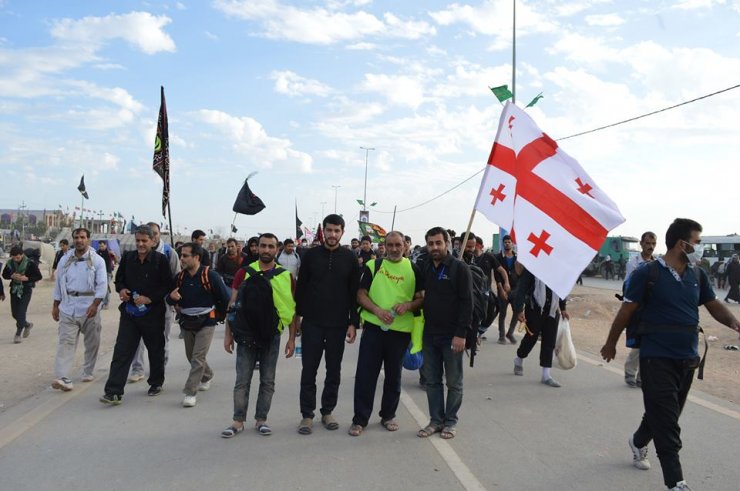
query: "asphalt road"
514, 434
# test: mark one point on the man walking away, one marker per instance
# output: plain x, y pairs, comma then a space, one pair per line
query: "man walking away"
733, 279
507, 259
257, 333
389, 294
326, 298
198, 295
23, 274
142, 281
80, 287
63, 248
448, 310
668, 291
109, 259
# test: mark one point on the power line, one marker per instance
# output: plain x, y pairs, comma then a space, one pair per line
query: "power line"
572, 136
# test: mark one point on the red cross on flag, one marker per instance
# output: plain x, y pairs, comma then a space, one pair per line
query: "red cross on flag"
559, 216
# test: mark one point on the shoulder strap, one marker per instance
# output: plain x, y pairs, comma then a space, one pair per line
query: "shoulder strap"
204, 279
180, 276
378, 263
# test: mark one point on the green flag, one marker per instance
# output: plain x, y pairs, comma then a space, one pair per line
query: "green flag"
375, 232
502, 93
360, 202
535, 100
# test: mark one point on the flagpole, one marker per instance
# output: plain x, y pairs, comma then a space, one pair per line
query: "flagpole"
467, 233
82, 210
513, 57
393, 223
172, 233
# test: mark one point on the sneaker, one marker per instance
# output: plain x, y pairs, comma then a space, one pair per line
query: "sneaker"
204, 386
189, 401
154, 390
305, 427
63, 384
511, 338
631, 382
639, 457
501, 340
551, 382
88, 378
17, 339
112, 399
518, 369
329, 422
27, 329
135, 377
681, 486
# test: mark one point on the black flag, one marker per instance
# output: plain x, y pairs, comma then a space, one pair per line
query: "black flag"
81, 187
248, 203
161, 163
298, 223
233, 229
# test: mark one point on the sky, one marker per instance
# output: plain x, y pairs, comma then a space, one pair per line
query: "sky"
293, 89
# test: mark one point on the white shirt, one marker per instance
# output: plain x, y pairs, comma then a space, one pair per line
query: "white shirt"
291, 262
79, 278
632, 265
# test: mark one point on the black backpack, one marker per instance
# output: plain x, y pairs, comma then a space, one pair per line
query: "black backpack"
481, 295
255, 316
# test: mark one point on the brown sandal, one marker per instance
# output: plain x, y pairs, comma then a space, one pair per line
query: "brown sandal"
355, 430
448, 433
389, 424
428, 431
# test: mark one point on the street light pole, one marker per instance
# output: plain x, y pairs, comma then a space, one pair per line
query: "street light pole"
364, 196
335, 197
322, 209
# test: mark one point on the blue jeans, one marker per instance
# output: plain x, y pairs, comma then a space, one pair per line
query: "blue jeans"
439, 358
246, 357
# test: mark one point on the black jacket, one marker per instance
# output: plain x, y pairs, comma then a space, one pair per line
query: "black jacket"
326, 291
151, 278
525, 290
32, 272
448, 297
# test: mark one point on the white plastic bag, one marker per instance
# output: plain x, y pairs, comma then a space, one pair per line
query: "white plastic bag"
565, 351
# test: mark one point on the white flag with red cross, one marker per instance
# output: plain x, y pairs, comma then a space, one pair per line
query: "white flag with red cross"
558, 216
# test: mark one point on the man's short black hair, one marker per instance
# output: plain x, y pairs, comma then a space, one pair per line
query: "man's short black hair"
648, 234
230, 240
680, 229
288, 241
144, 230
102, 242
506, 237
471, 236
253, 240
197, 234
268, 235
81, 229
64, 242
366, 238
479, 240
436, 231
16, 250
334, 220
195, 249
407, 238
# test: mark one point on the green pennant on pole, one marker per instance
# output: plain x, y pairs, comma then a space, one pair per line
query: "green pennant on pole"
535, 100
502, 92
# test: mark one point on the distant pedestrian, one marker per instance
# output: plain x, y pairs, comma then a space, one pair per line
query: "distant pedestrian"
540, 309
733, 279
143, 280
109, 259
199, 293
23, 274
63, 248
326, 298
507, 259
80, 287
289, 258
448, 309
229, 263
669, 338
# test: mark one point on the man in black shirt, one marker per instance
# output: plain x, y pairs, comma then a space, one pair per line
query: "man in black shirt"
142, 281
23, 274
108, 258
498, 278
507, 259
326, 298
448, 310
63, 248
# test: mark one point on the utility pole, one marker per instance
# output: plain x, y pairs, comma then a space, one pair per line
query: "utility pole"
21, 216
335, 197
364, 195
322, 209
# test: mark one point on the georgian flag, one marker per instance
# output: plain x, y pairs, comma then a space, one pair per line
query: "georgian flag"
558, 215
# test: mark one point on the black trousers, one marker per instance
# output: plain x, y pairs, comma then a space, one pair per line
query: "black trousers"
131, 330
539, 323
503, 305
317, 340
665, 386
19, 308
379, 348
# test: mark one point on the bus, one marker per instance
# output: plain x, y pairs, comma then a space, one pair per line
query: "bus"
720, 246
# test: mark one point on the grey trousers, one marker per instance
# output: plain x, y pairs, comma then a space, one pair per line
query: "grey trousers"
69, 334
632, 365
137, 366
197, 344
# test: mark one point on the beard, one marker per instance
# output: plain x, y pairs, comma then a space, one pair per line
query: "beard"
266, 258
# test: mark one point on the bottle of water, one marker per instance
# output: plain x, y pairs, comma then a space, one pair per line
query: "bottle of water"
386, 327
141, 307
298, 352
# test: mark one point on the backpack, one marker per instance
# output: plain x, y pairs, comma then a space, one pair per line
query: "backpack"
481, 295
722, 268
168, 251
635, 327
219, 310
255, 316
